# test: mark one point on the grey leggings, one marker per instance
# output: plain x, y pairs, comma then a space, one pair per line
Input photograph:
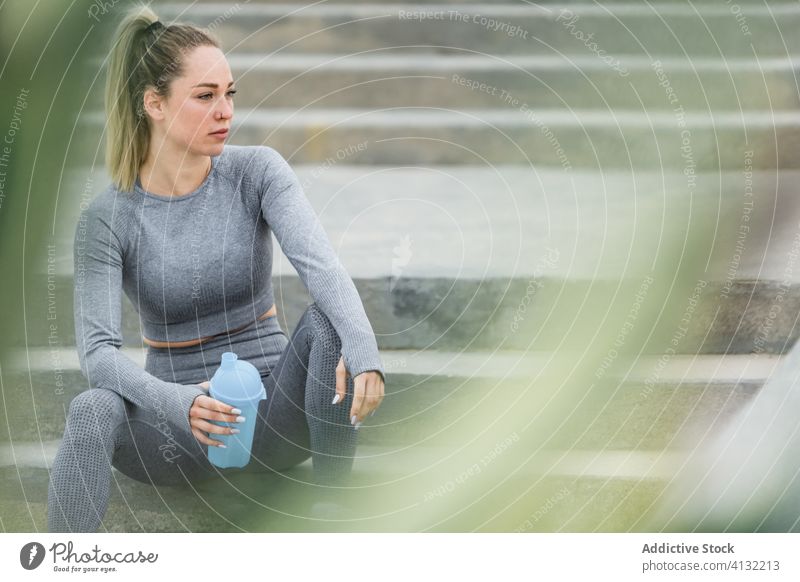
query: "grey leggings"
296, 421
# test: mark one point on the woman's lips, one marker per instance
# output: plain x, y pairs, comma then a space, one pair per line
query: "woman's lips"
223, 133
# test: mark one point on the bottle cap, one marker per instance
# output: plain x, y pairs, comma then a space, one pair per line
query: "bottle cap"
237, 381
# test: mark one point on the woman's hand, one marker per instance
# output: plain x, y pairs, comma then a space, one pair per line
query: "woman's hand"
206, 408
368, 387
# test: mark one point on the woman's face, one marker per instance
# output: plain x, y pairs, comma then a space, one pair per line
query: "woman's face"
200, 102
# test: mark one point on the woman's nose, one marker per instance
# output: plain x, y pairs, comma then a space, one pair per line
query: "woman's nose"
225, 110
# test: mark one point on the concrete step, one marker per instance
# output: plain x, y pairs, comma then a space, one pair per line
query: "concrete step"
547, 3
385, 79
619, 30
376, 462
578, 235
448, 314
381, 80
591, 140
573, 492
304, 3
434, 398
480, 222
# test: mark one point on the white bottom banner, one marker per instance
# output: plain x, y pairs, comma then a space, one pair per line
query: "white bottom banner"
398, 556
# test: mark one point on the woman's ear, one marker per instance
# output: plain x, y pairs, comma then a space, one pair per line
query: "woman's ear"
153, 104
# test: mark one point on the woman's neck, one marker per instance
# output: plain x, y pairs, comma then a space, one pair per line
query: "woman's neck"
176, 177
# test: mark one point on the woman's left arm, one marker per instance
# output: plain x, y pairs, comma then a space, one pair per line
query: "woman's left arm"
304, 242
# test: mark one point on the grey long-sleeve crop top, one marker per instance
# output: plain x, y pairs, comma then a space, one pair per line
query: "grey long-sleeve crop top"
201, 264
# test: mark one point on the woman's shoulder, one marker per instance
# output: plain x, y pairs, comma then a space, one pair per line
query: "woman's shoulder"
102, 205
109, 202
110, 210
254, 168
249, 160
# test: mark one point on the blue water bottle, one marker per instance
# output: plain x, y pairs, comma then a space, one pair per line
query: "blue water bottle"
238, 384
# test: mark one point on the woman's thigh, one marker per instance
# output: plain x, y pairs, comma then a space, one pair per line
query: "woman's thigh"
281, 438
151, 450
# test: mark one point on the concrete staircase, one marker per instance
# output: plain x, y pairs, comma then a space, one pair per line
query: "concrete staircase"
453, 164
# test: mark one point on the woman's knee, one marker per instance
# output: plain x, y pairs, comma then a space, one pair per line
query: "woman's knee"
96, 408
323, 330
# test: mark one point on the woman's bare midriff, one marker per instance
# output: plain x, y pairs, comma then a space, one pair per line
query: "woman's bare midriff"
193, 342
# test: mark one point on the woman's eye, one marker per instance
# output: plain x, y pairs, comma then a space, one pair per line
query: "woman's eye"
203, 97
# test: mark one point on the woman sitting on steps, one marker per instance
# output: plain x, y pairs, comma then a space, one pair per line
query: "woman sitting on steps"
185, 230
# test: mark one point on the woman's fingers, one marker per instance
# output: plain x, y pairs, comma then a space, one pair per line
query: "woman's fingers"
368, 395
206, 408
206, 426
341, 381
222, 417
200, 436
212, 409
359, 391
204, 413
371, 397
214, 404
380, 391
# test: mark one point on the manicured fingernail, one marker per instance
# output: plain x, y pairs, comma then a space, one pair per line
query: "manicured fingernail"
335, 399
371, 413
236, 411
222, 446
353, 419
358, 424
235, 431
240, 419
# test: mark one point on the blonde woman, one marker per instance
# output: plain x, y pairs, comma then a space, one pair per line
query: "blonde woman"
185, 231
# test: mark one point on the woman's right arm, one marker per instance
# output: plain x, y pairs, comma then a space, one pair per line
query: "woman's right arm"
97, 307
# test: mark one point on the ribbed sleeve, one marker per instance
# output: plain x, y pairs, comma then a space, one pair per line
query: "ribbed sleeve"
299, 232
98, 312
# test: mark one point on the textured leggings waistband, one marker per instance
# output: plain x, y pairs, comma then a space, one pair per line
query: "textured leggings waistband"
260, 344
